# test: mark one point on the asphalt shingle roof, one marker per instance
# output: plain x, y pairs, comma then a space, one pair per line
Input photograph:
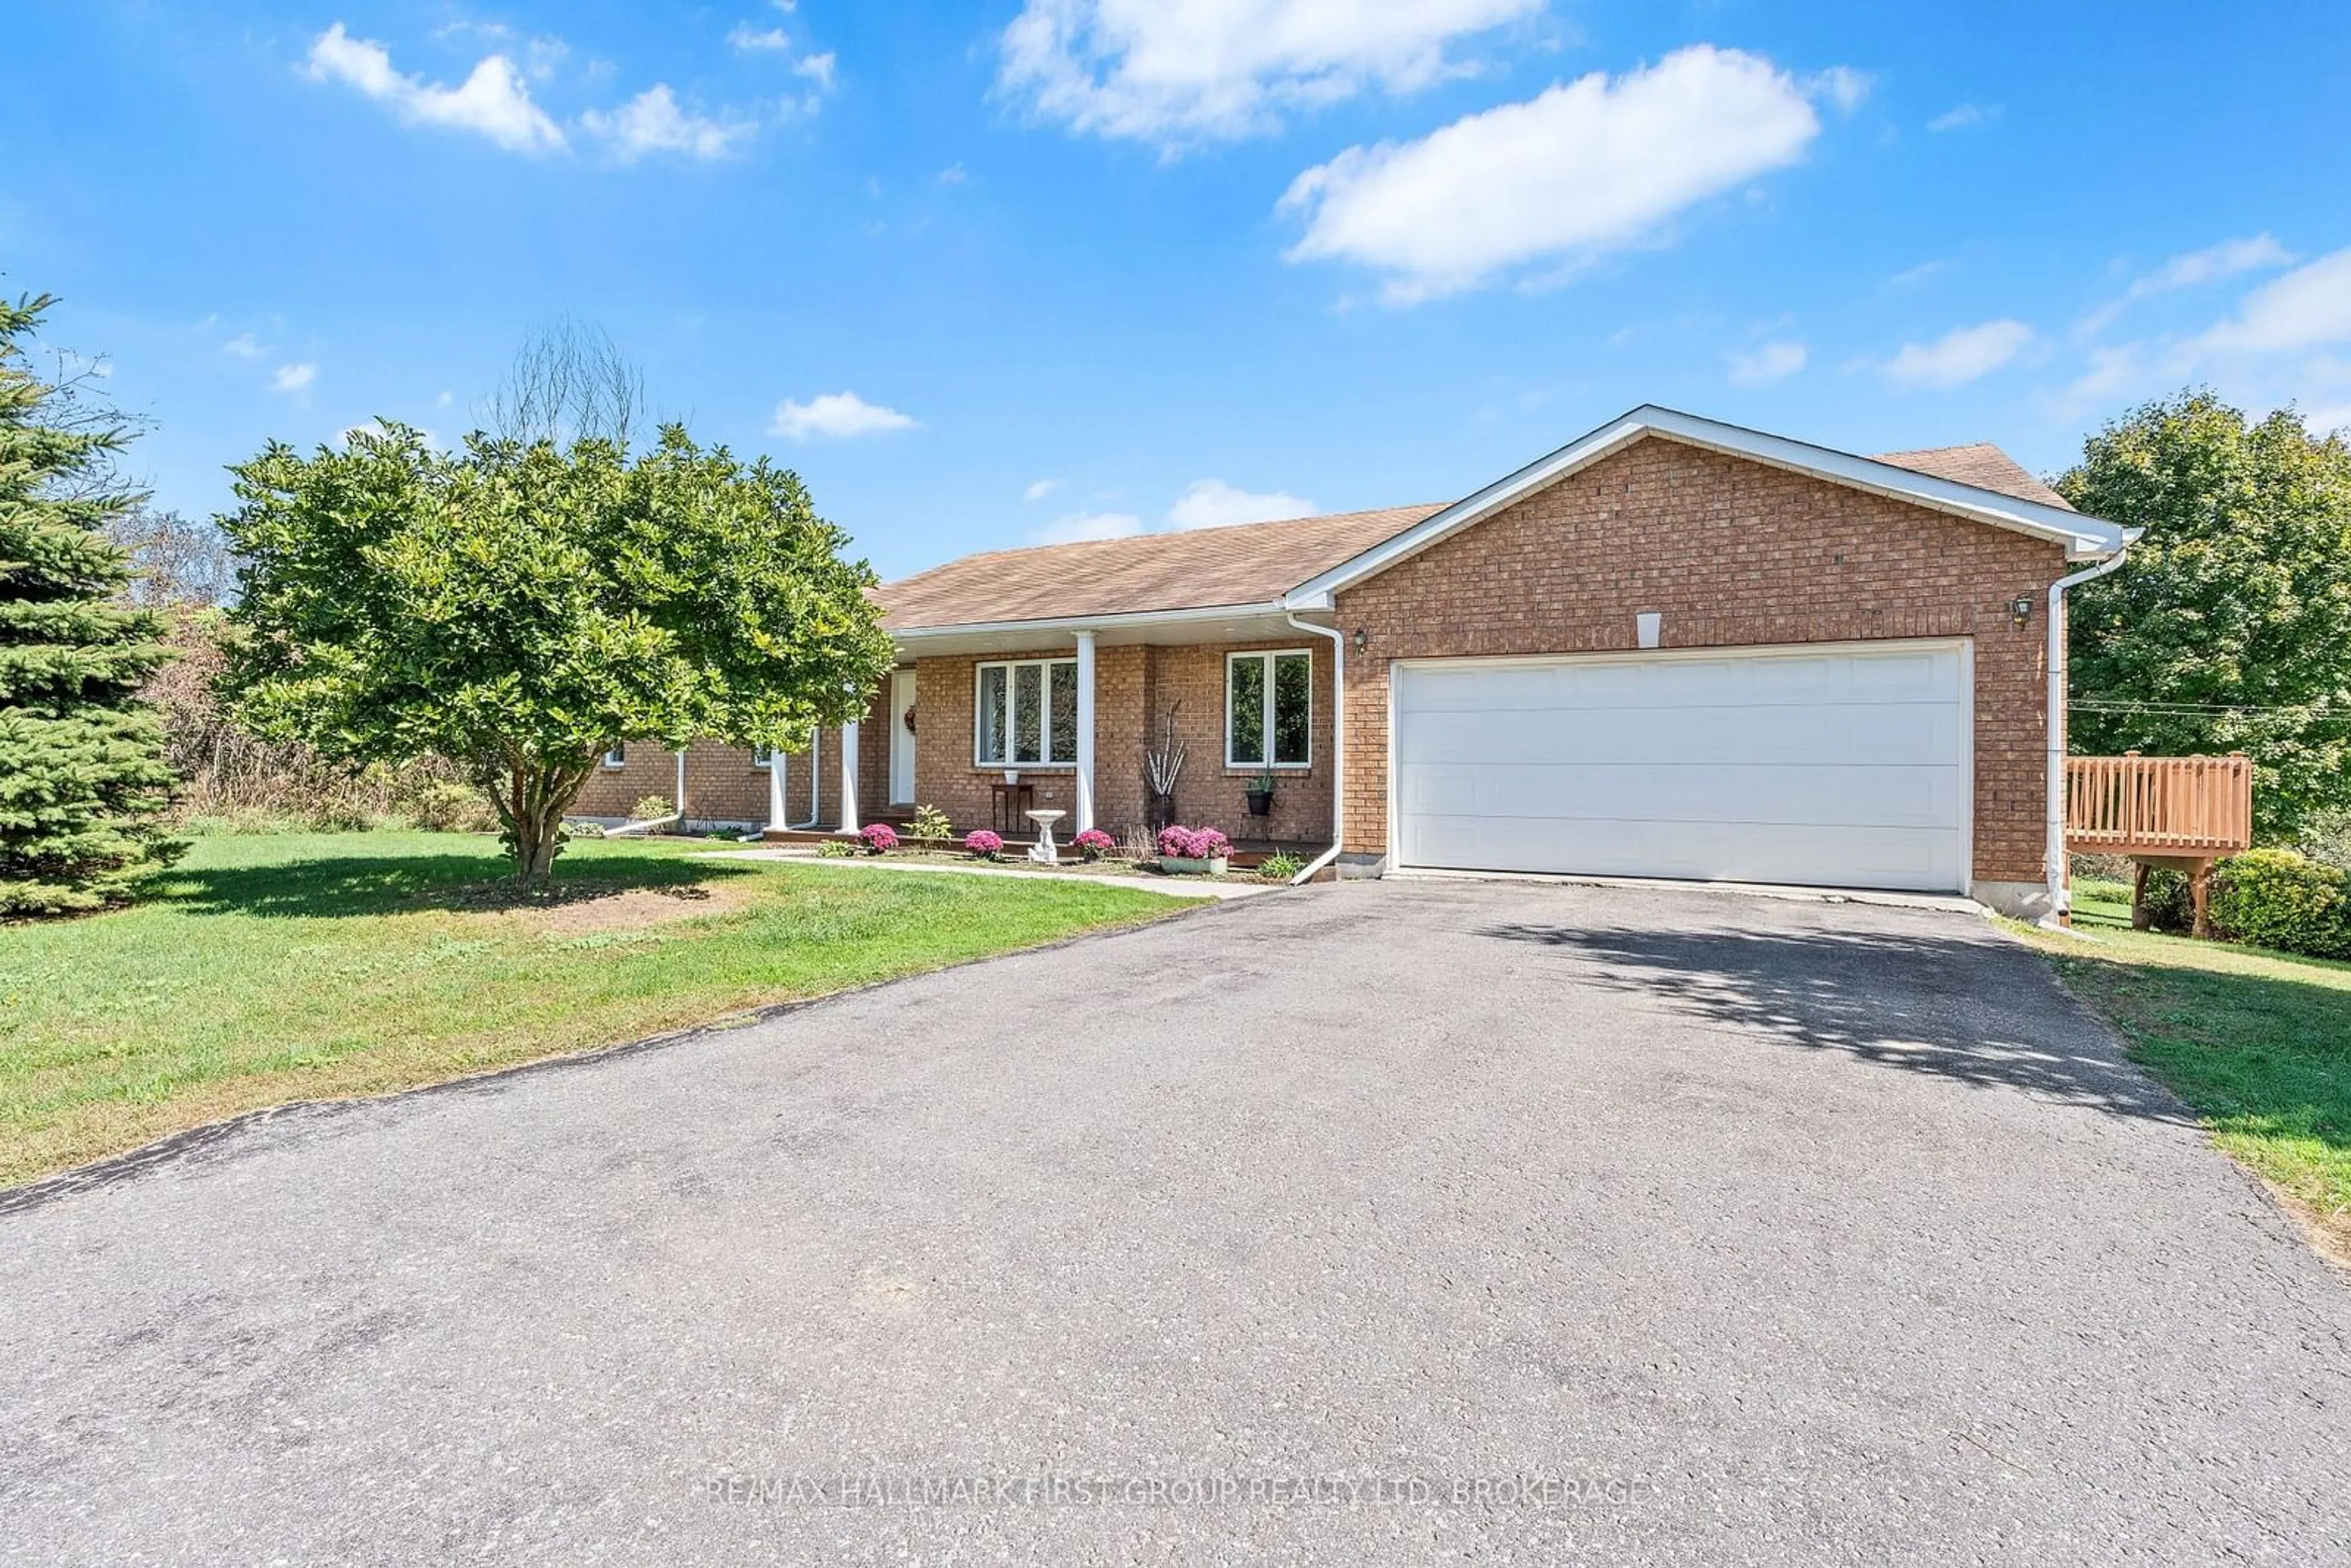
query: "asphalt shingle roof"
1254, 564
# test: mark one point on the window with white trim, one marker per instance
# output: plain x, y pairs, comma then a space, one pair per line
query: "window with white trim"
1025, 714
618, 756
1270, 709
763, 757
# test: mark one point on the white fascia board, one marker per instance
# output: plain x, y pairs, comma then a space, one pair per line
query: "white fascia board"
2085, 537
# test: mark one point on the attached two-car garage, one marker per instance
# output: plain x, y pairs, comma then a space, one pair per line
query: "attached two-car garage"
1843, 766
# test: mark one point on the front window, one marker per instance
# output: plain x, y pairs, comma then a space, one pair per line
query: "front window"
763, 757
618, 757
1268, 709
1026, 713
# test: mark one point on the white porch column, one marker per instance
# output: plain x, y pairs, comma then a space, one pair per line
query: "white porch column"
776, 816
1084, 815
848, 822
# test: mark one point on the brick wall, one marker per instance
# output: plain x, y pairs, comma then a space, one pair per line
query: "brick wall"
1133, 686
1731, 553
723, 785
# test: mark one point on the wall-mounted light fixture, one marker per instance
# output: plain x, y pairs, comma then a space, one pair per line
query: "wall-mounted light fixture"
1361, 638
2022, 608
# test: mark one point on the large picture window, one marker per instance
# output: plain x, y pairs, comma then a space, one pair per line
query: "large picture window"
1268, 709
1025, 714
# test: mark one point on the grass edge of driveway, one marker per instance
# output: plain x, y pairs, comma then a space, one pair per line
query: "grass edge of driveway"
327, 969
2256, 1044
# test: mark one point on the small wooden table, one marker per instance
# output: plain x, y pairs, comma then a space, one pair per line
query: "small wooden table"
1010, 803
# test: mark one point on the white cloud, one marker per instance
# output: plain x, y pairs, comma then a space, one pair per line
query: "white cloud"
2226, 260
1038, 489
1081, 526
444, 401
747, 39
244, 346
652, 123
818, 68
1595, 165
2309, 308
1770, 362
1176, 72
2325, 420
1213, 504
294, 378
836, 414
954, 175
1960, 116
1843, 85
494, 102
1959, 356
2110, 370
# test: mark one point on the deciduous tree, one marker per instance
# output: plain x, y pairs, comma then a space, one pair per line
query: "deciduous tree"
2230, 627
519, 607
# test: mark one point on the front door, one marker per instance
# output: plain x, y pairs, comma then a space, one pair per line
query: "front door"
902, 738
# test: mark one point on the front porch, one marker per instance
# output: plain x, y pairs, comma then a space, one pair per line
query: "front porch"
985, 728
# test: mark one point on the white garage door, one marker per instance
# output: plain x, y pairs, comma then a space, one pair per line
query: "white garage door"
1843, 766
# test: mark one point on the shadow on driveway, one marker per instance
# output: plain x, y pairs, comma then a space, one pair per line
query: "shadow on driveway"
1946, 1007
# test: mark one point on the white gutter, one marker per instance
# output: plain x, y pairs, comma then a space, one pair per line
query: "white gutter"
2061, 896
681, 784
1338, 747
1076, 623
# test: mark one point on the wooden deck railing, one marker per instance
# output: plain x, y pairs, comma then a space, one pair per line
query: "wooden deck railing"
2184, 807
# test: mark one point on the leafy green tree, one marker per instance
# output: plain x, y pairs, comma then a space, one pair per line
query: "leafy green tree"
519, 607
2229, 629
82, 778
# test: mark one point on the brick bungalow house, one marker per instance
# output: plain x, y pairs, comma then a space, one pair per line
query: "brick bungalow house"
1672, 648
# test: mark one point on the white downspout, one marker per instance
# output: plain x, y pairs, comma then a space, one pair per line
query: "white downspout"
681, 788
2061, 897
1338, 747
816, 784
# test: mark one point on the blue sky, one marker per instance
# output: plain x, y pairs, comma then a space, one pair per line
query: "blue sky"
987, 274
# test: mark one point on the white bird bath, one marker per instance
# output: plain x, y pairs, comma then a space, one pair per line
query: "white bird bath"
1044, 852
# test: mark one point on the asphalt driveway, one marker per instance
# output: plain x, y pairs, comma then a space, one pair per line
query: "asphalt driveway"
1366, 1224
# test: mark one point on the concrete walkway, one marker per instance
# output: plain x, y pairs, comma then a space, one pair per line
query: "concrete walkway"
1173, 886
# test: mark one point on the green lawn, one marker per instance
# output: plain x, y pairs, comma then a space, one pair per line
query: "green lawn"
2257, 1042
269, 968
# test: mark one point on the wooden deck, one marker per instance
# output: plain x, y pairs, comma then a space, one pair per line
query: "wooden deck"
2181, 813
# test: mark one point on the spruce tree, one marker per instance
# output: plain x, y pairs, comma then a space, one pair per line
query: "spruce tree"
82, 778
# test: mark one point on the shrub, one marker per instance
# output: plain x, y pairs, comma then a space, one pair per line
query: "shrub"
880, 838
2169, 906
652, 809
445, 806
930, 822
2279, 899
1181, 842
983, 844
1280, 867
834, 849
1093, 843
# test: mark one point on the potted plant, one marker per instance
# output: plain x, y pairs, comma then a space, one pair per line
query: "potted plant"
982, 844
1093, 843
1260, 794
880, 838
1192, 850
